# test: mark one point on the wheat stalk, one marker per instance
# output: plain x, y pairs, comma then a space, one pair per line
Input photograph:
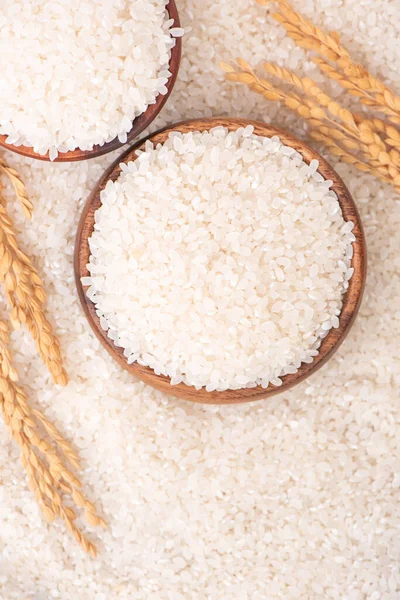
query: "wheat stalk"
352, 76
262, 86
366, 88
53, 433
336, 149
342, 136
48, 476
19, 187
45, 460
355, 132
5, 354
377, 142
26, 297
310, 88
305, 34
389, 134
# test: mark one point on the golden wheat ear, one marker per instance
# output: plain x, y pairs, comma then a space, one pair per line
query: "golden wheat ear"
45, 460
23, 286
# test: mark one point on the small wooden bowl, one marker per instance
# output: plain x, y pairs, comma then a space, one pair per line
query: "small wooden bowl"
139, 124
330, 343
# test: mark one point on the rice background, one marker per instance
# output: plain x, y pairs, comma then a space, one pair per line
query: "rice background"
295, 497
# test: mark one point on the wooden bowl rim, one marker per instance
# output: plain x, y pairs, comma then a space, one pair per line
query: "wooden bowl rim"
351, 300
140, 123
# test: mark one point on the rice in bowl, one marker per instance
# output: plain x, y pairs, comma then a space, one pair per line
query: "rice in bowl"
76, 73
219, 259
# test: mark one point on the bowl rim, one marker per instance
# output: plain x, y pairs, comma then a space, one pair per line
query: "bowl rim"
351, 299
139, 124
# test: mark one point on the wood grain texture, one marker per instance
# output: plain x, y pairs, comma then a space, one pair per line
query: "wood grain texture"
330, 344
139, 124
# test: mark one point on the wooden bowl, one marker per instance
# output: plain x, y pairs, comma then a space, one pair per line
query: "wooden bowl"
330, 343
139, 124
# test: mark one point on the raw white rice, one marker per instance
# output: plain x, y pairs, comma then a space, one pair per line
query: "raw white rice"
219, 259
294, 498
75, 73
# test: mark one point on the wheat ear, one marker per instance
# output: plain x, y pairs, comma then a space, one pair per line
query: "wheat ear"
48, 475
26, 297
305, 34
270, 92
342, 137
337, 150
368, 89
389, 134
19, 187
355, 133
352, 76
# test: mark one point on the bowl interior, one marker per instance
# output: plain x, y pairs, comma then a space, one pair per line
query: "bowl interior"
139, 124
351, 300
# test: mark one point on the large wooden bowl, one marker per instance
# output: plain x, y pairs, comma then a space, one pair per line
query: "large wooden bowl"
330, 343
139, 124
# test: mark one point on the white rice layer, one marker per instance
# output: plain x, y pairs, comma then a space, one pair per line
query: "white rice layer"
293, 498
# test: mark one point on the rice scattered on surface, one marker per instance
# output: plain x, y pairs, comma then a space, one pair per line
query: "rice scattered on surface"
219, 259
297, 497
76, 73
